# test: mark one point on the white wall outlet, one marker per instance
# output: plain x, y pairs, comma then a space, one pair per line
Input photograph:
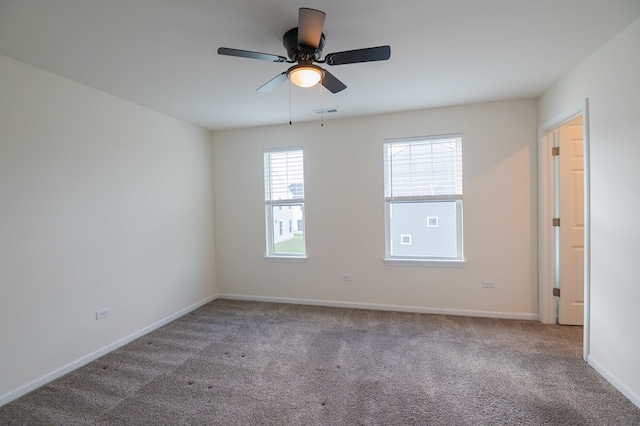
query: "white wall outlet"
102, 313
488, 284
346, 277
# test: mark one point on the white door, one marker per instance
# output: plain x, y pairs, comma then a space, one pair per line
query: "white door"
571, 203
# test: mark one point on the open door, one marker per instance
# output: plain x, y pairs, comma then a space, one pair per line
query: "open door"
557, 261
570, 197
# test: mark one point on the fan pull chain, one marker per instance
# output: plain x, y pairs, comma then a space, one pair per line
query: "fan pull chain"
321, 103
289, 102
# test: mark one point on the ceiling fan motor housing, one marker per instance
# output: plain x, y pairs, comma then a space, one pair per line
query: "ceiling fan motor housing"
300, 52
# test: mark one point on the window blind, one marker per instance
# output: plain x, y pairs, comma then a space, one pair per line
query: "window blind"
284, 175
423, 168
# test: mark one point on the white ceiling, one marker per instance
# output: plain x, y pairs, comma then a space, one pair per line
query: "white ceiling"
162, 53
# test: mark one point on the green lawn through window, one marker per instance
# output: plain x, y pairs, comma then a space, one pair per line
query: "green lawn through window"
294, 245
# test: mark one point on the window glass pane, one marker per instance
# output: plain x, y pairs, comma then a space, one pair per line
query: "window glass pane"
288, 234
423, 192
424, 229
284, 202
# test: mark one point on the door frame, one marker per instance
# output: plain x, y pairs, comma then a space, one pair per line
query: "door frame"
547, 247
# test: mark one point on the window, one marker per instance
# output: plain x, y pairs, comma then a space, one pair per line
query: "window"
423, 199
284, 187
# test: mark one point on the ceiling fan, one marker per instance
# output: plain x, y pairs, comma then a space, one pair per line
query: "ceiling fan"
304, 46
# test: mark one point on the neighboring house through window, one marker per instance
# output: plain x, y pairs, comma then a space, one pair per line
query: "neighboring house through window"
284, 187
423, 199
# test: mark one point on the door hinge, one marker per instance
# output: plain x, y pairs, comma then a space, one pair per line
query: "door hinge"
555, 151
556, 292
556, 221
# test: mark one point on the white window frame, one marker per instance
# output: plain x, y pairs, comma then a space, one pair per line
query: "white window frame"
271, 223
389, 199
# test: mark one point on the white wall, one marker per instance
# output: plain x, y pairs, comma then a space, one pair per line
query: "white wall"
609, 79
103, 203
345, 213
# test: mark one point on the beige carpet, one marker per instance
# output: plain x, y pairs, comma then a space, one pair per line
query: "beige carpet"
249, 363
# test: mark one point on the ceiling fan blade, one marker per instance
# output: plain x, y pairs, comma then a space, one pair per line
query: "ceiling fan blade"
273, 83
332, 83
310, 23
251, 55
380, 53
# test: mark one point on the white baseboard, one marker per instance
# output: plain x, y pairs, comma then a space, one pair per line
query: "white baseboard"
383, 307
22, 390
604, 372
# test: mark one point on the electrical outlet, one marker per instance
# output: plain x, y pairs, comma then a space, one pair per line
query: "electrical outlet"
488, 284
346, 277
102, 313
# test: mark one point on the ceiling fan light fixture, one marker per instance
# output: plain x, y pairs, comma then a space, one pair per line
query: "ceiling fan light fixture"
305, 76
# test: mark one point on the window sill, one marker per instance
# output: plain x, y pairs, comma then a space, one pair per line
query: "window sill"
289, 259
424, 262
